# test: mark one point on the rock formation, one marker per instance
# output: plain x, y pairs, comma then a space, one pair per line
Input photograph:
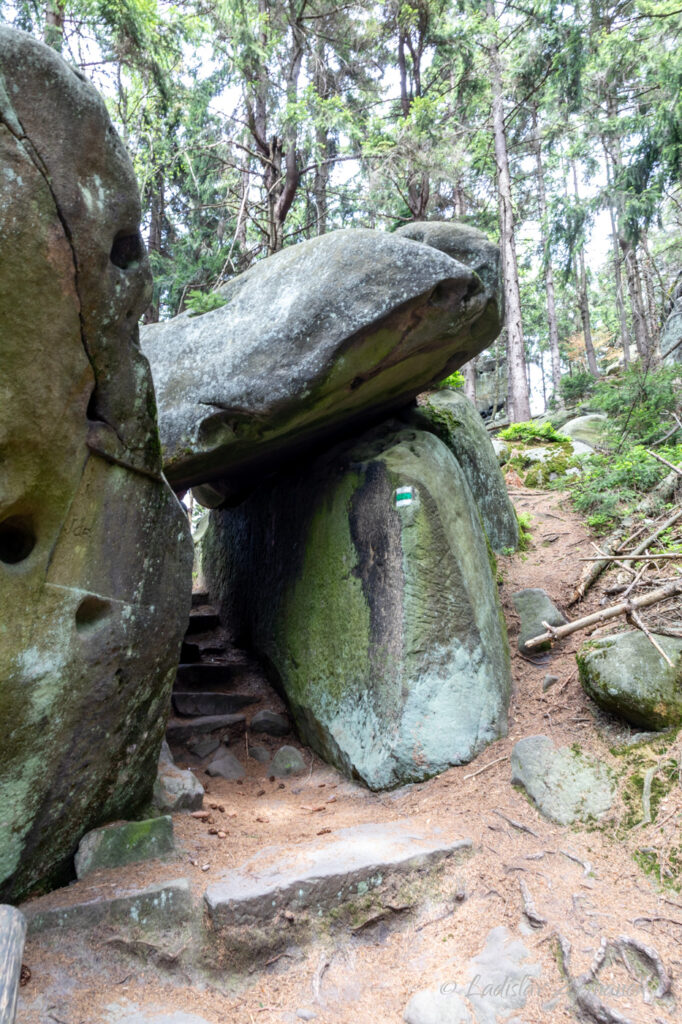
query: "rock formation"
95, 557
364, 581
312, 342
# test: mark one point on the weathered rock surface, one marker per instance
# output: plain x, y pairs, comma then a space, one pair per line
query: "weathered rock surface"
319, 877
315, 338
586, 429
226, 766
124, 843
535, 607
471, 247
95, 555
270, 723
499, 981
163, 905
382, 618
624, 674
176, 789
565, 784
452, 417
287, 761
152, 1017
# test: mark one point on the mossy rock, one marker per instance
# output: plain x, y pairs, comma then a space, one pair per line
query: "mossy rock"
625, 674
364, 581
126, 843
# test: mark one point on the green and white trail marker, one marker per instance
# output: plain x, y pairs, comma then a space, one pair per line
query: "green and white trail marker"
403, 496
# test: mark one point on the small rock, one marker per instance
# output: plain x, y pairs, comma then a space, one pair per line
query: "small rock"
549, 681
287, 761
304, 1014
203, 747
436, 1007
534, 607
565, 784
115, 845
259, 753
176, 790
270, 722
226, 766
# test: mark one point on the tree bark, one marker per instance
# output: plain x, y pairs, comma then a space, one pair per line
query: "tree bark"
54, 24
518, 395
583, 297
469, 373
552, 323
617, 272
12, 937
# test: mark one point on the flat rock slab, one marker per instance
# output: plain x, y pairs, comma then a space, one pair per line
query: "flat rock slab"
320, 876
270, 722
565, 784
124, 1016
625, 674
201, 704
182, 732
534, 607
164, 905
204, 678
202, 621
352, 323
124, 843
499, 981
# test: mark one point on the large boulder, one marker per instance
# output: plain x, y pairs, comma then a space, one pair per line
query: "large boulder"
308, 344
95, 555
589, 429
363, 579
625, 674
452, 417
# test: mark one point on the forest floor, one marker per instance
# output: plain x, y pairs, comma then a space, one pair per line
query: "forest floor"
583, 879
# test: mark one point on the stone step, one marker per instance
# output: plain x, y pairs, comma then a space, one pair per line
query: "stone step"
166, 905
200, 597
179, 731
318, 877
190, 653
191, 705
206, 678
202, 620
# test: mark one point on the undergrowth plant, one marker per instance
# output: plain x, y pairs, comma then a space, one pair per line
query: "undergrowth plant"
530, 432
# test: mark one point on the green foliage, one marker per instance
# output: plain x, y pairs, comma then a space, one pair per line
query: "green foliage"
203, 302
532, 432
610, 487
455, 380
639, 403
524, 520
576, 386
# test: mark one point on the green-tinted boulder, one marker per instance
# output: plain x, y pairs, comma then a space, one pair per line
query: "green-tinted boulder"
535, 607
95, 555
309, 342
287, 761
565, 784
626, 675
364, 581
587, 429
124, 843
451, 416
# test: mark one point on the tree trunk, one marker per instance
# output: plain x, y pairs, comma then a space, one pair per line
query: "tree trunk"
547, 266
583, 297
469, 372
12, 936
518, 394
54, 24
157, 211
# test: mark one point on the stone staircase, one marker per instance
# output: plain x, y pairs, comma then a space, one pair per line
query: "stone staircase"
217, 689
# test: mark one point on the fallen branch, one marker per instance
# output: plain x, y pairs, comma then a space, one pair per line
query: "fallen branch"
636, 621
675, 469
622, 608
645, 557
516, 824
485, 767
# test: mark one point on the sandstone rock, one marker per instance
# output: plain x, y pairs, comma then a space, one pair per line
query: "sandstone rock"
471, 247
164, 905
226, 766
259, 753
565, 784
270, 723
176, 789
191, 705
587, 429
534, 607
624, 674
382, 618
287, 761
186, 730
451, 416
309, 342
124, 843
95, 553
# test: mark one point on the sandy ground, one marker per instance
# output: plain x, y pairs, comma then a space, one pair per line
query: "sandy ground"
582, 880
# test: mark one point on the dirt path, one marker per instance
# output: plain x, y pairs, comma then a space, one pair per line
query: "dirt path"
583, 880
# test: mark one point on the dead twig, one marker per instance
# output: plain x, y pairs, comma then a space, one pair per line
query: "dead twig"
622, 608
485, 767
516, 824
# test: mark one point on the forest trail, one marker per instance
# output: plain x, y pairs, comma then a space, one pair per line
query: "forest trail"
582, 880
